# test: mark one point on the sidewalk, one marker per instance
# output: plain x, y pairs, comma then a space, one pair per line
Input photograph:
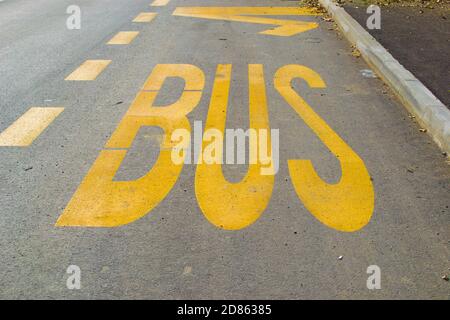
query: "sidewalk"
418, 37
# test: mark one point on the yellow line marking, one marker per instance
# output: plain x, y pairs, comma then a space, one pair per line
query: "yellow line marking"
89, 70
102, 201
285, 28
159, 3
227, 205
348, 204
28, 127
145, 17
124, 37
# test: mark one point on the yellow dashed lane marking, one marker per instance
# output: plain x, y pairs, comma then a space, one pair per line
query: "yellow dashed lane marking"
89, 70
28, 127
145, 17
124, 37
283, 27
159, 3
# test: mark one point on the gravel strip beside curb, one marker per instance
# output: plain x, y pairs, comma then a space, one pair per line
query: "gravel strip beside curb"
430, 112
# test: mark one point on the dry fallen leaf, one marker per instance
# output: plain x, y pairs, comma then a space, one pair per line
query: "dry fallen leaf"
356, 53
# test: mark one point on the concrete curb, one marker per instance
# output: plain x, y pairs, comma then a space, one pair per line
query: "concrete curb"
430, 112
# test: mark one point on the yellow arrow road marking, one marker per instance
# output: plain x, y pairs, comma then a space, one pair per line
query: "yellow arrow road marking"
89, 70
145, 17
124, 37
285, 27
28, 127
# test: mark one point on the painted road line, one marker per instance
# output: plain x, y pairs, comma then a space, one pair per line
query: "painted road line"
145, 17
28, 127
159, 3
123, 37
89, 70
285, 28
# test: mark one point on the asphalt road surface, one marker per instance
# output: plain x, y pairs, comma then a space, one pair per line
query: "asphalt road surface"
86, 177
